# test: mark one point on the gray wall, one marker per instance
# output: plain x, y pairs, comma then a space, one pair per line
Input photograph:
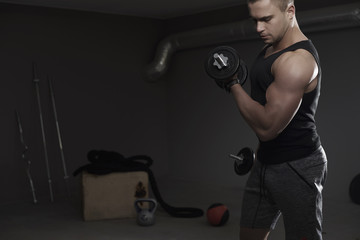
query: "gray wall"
184, 122
205, 125
103, 102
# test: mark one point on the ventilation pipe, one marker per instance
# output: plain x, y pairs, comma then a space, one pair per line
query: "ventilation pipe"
339, 17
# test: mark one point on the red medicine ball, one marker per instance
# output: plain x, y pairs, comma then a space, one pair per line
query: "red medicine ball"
217, 214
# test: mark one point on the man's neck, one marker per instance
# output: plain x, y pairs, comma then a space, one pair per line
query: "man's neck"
291, 36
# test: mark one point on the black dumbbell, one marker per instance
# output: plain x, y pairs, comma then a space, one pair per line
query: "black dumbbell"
222, 64
244, 161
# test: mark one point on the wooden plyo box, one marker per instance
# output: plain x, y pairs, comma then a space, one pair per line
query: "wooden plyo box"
112, 195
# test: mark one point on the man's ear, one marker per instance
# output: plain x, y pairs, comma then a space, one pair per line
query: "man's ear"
291, 10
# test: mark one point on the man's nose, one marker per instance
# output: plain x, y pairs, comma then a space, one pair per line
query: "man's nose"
259, 27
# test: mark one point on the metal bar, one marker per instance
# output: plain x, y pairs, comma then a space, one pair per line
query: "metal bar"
37, 89
23, 156
66, 177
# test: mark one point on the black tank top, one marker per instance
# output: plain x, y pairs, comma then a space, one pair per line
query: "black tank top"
300, 138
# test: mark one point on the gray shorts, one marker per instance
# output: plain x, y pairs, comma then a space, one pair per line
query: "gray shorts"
293, 189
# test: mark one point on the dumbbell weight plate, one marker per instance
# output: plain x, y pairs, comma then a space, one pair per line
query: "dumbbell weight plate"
242, 72
248, 156
231, 58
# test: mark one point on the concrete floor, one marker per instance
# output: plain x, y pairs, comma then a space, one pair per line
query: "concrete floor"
62, 220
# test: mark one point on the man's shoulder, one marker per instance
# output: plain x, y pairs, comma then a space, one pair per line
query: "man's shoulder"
298, 57
298, 64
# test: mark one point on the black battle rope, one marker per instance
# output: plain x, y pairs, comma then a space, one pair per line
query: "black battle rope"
104, 162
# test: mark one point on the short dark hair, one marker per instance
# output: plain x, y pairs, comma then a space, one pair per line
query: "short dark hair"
282, 4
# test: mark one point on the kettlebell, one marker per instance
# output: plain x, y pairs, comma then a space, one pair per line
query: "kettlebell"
145, 216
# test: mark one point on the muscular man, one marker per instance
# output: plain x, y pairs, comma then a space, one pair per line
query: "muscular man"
290, 170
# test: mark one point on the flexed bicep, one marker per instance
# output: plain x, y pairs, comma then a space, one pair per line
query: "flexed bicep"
293, 72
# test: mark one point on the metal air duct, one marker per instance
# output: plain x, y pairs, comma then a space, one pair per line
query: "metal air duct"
324, 19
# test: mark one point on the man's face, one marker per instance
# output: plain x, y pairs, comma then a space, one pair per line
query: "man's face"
271, 22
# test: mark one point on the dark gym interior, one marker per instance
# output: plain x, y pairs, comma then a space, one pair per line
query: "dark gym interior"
105, 101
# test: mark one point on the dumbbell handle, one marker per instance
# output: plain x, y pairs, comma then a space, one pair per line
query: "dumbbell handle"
220, 61
239, 159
